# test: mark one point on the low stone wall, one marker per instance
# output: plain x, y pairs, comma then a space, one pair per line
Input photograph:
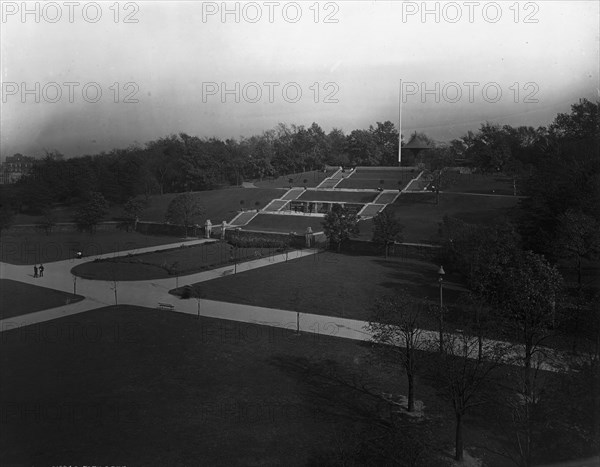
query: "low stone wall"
160, 228
257, 237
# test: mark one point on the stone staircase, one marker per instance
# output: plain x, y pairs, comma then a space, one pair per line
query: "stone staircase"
276, 205
387, 197
293, 193
243, 218
370, 210
332, 181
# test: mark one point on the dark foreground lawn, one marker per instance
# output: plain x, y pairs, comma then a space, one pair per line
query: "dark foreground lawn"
31, 248
334, 285
167, 263
18, 298
139, 387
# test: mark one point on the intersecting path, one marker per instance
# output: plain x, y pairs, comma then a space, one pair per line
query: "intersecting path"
100, 293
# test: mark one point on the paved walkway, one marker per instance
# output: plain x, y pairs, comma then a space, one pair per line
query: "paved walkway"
150, 292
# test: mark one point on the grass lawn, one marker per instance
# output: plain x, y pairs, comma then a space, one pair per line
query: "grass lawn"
63, 214
219, 205
166, 263
373, 184
477, 183
139, 387
421, 216
18, 298
313, 178
342, 196
283, 223
31, 248
388, 179
334, 285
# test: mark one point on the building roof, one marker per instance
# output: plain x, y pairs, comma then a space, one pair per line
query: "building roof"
416, 142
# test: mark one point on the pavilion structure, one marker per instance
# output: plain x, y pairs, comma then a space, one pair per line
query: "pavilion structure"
416, 144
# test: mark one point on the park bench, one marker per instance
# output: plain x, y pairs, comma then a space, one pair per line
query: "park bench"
166, 306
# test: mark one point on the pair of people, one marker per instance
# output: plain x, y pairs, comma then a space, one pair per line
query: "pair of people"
40, 270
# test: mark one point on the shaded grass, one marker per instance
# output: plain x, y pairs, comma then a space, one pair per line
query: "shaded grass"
154, 388
31, 248
18, 298
140, 387
421, 216
477, 183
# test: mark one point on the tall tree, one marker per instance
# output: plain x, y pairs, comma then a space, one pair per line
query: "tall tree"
339, 225
91, 212
526, 296
394, 325
185, 209
578, 237
386, 230
6, 217
464, 379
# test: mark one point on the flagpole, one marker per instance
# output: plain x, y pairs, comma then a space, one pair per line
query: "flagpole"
400, 124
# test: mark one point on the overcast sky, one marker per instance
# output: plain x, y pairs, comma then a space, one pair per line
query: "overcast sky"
173, 60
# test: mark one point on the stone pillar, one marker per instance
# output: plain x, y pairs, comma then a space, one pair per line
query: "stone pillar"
308, 237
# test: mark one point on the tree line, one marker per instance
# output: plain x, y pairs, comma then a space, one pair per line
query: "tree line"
179, 163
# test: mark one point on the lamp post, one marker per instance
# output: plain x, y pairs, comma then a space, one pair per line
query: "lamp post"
235, 255
441, 274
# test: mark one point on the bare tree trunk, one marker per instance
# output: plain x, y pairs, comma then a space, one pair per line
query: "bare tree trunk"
411, 391
458, 453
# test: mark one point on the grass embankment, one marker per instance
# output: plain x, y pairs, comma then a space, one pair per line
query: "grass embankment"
421, 216
311, 178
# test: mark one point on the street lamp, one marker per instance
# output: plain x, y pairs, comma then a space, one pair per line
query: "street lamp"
441, 274
235, 255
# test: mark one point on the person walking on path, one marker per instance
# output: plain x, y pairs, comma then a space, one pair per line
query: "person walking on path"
41, 268
35, 271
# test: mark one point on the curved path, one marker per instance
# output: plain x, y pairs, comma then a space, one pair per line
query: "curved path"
149, 293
